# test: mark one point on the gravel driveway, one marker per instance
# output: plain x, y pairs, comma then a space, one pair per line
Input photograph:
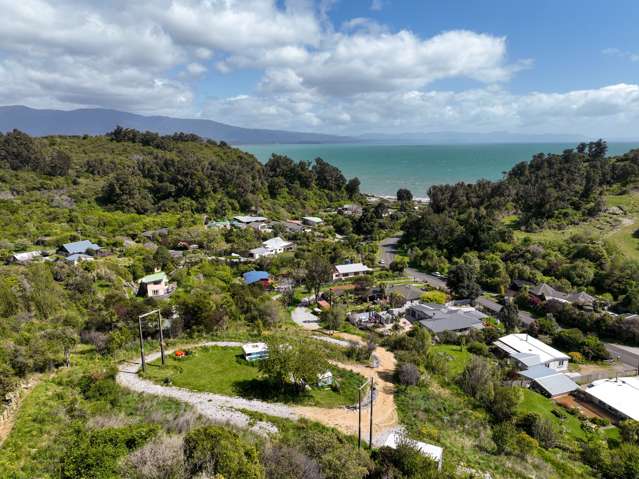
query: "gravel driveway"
305, 318
218, 408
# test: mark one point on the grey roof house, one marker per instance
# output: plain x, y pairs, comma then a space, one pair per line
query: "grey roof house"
549, 382
441, 317
79, 247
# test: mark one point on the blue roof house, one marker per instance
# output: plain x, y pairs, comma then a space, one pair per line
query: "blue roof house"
79, 247
252, 277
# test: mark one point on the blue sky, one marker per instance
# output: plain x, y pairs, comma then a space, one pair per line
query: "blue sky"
339, 66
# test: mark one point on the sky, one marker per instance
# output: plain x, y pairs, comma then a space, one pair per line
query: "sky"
334, 66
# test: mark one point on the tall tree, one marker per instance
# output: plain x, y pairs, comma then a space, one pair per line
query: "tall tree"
462, 282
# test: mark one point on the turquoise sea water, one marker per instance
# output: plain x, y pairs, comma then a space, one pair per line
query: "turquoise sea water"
383, 169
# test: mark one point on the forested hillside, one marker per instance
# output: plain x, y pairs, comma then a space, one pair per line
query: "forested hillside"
110, 189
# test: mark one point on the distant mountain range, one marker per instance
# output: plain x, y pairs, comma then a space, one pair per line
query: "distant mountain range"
97, 121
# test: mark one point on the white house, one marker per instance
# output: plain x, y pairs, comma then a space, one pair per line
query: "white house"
527, 352
271, 247
26, 257
436, 453
342, 271
312, 220
259, 223
156, 284
619, 396
255, 351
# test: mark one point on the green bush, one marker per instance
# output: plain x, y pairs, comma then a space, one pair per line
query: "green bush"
215, 450
95, 454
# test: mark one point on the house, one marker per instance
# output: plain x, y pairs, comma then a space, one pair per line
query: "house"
79, 247
342, 271
293, 226
25, 257
223, 224
394, 439
545, 292
618, 396
367, 319
259, 223
255, 351
271, 247
78, 257
312, 220
350, 210
325, 379
527, 352
549, 382
156, 234
252, 277
155, 285
410, 293
445, 317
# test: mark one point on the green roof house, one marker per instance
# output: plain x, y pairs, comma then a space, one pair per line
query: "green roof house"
155, 285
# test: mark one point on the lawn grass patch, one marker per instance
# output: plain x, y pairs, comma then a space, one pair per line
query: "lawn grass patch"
223, 370
458, 357
536, 403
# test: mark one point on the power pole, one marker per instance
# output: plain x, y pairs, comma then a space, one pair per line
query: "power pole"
370, 430
141, 344
359, 419
161, 336
359, 412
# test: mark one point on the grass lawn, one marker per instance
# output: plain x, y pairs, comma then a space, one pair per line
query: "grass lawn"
458, 357
224, 371
534, 402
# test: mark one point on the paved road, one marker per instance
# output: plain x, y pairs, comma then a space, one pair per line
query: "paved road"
626, 354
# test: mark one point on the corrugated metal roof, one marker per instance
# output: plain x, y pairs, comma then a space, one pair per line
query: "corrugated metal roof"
453, 322
557, 385
538, 371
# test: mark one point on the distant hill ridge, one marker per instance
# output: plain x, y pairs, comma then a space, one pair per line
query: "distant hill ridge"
98, 121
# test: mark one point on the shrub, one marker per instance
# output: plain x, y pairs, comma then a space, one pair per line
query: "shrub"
216, 450
95, 454
408, 374
282, 462
162, 458
434, 296
478, 348
576, 357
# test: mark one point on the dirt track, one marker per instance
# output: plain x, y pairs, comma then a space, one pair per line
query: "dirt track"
384, 412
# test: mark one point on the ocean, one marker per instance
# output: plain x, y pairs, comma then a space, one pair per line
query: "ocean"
383, 169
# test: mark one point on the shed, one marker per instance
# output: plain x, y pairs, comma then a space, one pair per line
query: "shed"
80, 247
255, 351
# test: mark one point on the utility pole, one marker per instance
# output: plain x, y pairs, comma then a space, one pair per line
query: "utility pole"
142, 339
359, 411
161, 336
141, 344
370, 430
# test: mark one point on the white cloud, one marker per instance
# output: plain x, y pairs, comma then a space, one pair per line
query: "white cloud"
377, 5
616, 52
151, 56
483, 110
